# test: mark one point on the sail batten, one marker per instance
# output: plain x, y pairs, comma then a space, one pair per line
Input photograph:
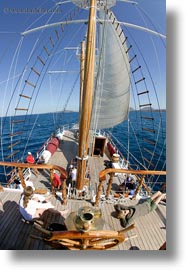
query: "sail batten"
112, 83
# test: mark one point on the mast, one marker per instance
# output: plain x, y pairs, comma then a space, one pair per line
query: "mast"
88, 85
82, 69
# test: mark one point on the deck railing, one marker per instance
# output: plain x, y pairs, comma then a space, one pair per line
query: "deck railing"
112, 171
50, 167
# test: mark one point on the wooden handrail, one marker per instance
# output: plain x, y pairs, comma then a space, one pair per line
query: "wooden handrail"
35, 166
50, 167
142, 172
111, 171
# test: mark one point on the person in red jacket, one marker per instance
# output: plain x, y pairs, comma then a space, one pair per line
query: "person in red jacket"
57, 181
30, 159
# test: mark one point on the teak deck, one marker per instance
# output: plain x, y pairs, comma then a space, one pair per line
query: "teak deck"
149, 233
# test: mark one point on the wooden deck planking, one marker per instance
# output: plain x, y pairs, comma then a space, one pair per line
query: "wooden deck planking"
14, 234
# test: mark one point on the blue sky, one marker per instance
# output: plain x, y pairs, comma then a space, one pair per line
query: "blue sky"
17, 16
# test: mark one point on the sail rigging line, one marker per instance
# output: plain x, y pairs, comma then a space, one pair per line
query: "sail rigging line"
32, 91
70, 94
139, 27
50, 90
24, 69
3, 119
43, 27
139, 69
6, 32
140, 11
159, 158
153, 84
39, 87
49, 59
53, 8
155, 50
10, 70
29, 136
132, 78
70, 58
152, 81
44, 76
62, 81
128, 138
130, 25
139, 146
46, 69
154, 183
156, 145
122, 145
129, 2
5, 51
62, 3
28, 61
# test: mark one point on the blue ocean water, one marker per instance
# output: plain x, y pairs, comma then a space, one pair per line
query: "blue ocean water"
37, 128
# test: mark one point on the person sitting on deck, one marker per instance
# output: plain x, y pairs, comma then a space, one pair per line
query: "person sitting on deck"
30, 159
32, 206
128, 185
127, 214
44, 158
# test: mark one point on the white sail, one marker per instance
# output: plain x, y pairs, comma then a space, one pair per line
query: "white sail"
112, 83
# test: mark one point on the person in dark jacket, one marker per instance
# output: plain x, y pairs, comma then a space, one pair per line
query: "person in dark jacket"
127, 214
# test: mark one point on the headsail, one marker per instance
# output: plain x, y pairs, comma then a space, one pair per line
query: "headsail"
112, 83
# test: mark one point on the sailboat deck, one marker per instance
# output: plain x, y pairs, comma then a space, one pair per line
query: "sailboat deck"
149, 233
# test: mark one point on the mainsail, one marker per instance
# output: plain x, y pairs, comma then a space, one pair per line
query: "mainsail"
112, 83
